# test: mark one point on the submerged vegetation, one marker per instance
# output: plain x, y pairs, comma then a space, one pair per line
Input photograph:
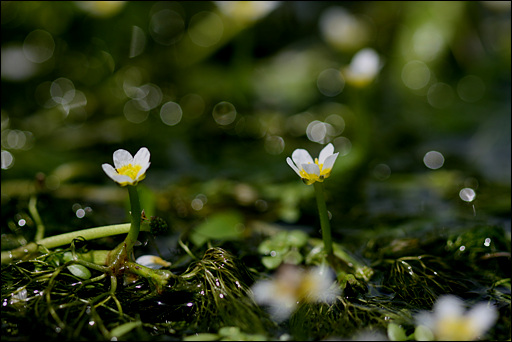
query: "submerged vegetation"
399, 230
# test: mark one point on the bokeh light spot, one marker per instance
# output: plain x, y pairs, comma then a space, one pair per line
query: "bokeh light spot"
381, 172
433, 160
274, 144
14, 65
471, 88
38, 46
62, 90
7, 160
415, 75
427, 42
171, 113
317, 131
192, 105
138, 42
134, 113
440, 95
330, 82
224, 113
206, 29
343, 145
166, 27
467, 194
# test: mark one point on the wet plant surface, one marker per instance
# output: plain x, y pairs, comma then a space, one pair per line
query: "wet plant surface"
418, 198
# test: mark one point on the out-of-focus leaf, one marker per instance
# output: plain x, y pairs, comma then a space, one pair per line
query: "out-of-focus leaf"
220, 226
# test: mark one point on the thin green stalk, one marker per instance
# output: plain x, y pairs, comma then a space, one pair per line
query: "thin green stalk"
66, 238
324, 218
32, 208
135, 213
122, 253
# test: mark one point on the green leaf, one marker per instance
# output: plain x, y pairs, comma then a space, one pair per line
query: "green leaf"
79, 271
297, 238
220, 226
123, 329
272, 262
202, 337
422, 333
396, 333
293, 257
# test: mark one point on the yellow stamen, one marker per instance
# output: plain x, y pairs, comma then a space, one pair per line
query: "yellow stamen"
456, 329
311, 178
129, 170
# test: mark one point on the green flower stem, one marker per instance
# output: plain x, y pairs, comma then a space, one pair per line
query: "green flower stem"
133, 234
324, 218
120, 255
66, 238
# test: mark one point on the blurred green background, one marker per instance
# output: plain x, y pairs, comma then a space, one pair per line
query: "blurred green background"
222, 92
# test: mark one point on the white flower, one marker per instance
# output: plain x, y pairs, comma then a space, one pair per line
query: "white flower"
128, 170
293, 284
152, 261
313, 171
449, 321
363, 68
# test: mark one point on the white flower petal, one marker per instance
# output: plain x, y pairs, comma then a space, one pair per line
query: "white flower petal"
116, 177
448, 306
301, 156
482, 317
311, 169
152, 261
292, 165
142, 157
109, 170
326, 152
122, 179
263, 292
329, 162
122, 158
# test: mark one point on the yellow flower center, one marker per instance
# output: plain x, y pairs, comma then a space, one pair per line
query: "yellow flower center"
311, 178
129, 170
456, 329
